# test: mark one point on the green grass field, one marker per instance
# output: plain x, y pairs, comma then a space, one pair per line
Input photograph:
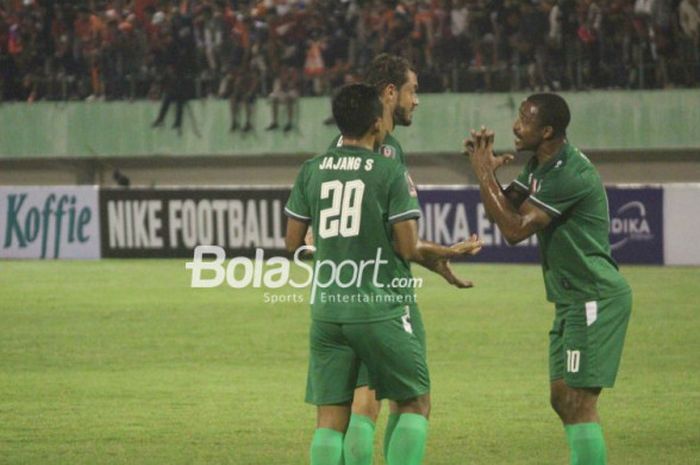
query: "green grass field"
120, 362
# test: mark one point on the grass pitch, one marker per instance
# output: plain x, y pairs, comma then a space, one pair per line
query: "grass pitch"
120, 362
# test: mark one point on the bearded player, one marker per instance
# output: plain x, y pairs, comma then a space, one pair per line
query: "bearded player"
397, 84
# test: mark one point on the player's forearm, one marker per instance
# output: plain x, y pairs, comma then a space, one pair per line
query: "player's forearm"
500, 210
428, 253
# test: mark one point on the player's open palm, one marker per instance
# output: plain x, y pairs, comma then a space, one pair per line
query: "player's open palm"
443, 268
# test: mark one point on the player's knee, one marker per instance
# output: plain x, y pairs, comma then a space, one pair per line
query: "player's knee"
365, 403
574, 405
557, 400
419, 405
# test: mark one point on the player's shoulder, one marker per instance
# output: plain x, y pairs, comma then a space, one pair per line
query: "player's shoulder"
572, 172
577, 165
571, 162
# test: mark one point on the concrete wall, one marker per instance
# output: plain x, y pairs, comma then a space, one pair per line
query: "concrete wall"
615, 167
608, 120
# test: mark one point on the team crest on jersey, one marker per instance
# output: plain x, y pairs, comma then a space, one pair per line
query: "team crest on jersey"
411, 186
387, 151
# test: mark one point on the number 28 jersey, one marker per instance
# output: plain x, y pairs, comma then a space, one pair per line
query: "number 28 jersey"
352, 197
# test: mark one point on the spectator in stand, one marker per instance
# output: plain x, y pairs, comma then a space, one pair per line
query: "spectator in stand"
179, 60
116, 49
589, 34
662, 17
245, 84
459, 23
531, 42
285, 90
90, 32
689, 18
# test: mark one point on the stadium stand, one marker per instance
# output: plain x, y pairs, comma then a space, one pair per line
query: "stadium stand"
133, 49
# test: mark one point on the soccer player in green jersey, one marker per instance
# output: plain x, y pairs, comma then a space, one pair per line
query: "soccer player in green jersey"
363, 212
560, 197
397, 84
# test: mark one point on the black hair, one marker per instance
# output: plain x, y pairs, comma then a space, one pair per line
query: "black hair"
553, 111
356, 108
387, 69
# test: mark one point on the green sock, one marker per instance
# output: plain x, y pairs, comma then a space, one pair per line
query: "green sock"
390, 426
327, 447
587, 444
358, 446
407, 445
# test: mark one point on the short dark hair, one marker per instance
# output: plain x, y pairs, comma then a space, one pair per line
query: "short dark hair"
356, 108
552, 111
387, 69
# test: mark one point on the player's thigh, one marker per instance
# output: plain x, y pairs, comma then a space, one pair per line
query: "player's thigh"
333, 365
592, 341
607, 332
394, 356
557, 357
415, 319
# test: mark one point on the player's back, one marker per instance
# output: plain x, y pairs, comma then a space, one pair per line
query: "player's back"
353, 197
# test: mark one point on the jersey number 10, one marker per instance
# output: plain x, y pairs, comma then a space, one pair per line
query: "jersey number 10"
344, 214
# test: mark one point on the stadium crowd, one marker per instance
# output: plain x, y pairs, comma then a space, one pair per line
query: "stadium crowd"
66, 50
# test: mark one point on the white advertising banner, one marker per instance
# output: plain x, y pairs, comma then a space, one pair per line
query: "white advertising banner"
681, 224
49, 222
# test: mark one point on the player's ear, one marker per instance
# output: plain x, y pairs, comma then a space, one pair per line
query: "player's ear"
390, 91
547, 132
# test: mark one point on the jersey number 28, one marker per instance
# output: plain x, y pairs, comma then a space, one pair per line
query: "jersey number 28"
344, 214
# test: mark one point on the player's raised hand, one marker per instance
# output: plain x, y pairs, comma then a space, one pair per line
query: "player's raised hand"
469, 146
471, 246
504, 159
482, 158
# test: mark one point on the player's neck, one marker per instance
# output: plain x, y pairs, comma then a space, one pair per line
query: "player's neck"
549, 149
366, 142
388, 118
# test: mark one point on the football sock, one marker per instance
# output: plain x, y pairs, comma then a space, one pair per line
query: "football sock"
358, 446
327, 447
390, 426
407, 445
586, 443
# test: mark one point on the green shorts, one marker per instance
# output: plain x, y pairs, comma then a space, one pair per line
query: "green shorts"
586, 340
392, 351
416, 321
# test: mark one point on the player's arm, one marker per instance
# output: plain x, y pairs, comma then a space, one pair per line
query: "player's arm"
516, 224
432, 256
515, 194
296, 234
298, 214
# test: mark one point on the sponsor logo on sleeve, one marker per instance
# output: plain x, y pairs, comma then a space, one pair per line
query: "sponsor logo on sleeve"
388, 151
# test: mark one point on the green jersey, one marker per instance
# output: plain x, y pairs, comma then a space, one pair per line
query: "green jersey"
351, 196
575, 247
390, 148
